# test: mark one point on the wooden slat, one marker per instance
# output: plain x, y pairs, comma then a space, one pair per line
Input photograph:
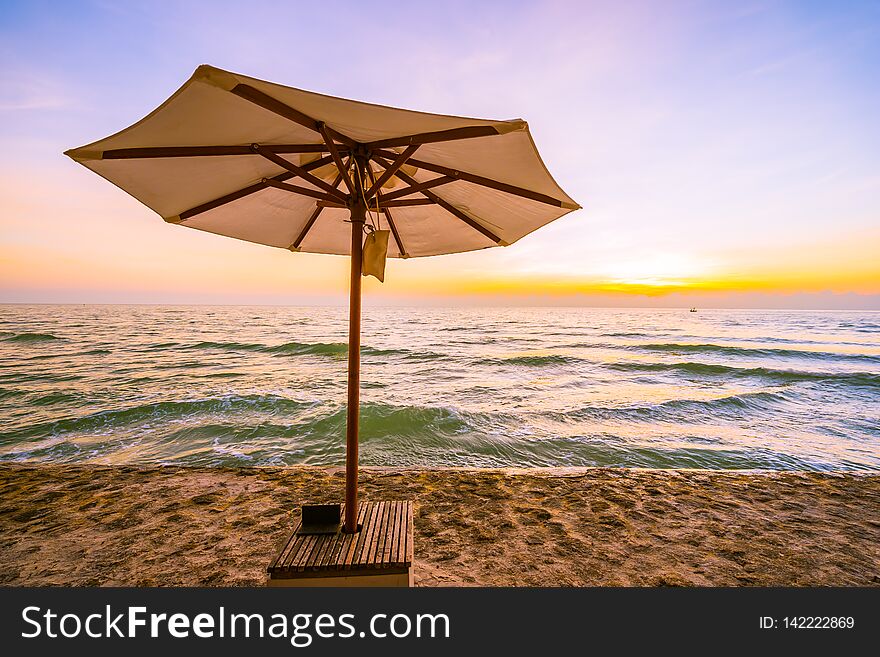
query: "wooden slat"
479, 180
286, 548
391, 534
369, 535
381, 537
364, 535
400, 557
352, 557
388, 552
370, 543
388, 537
295, 547
308, 546
409, 533
330, 550
311, 545
333, 548
302, 553
397, 162
205, 151
320, 546
392, 554
400, 548
412, 189
369, 556
468, 132
346, 559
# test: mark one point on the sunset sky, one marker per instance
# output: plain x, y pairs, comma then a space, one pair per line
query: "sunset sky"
725, 154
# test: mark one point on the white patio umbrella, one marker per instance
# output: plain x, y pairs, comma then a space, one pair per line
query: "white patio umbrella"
279, 166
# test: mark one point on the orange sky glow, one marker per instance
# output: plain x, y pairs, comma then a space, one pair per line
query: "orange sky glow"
723, 156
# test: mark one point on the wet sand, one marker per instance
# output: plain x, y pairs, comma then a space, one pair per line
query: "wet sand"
121, 526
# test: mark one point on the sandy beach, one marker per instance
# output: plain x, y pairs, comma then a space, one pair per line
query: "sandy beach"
163, 526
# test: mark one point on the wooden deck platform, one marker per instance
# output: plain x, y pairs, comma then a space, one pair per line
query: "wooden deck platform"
380, 554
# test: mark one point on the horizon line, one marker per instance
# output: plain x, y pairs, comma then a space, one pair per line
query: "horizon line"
421, 306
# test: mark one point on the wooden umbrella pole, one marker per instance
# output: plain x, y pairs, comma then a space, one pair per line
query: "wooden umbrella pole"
358, 217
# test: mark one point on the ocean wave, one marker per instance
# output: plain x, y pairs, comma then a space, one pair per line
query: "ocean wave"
7, 393
331, 349
53, 398
785, 376
310, 349
24, 377
32, 337
379, 421
729, 350
692, 411
166, 411
542, 360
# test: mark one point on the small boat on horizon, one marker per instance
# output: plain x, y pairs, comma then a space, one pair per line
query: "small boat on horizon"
693, 310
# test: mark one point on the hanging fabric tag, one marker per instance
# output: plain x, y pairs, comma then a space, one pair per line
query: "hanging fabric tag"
375, 250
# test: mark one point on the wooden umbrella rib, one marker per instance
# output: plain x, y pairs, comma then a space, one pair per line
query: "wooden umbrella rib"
412, 189
407, 202
398, 162
396, 235
461, 215
296, 189
448, 207
299, 171
338, 136
313, 218
380, 200
275, 106
250, 189
204, 151
229, 198
468, 132
317, 164
480, 180
334, 153
302, 235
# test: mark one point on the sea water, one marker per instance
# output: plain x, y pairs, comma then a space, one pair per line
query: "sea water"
493, 387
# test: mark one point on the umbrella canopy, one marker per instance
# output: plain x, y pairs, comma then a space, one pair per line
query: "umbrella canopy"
221, 153
275, 165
